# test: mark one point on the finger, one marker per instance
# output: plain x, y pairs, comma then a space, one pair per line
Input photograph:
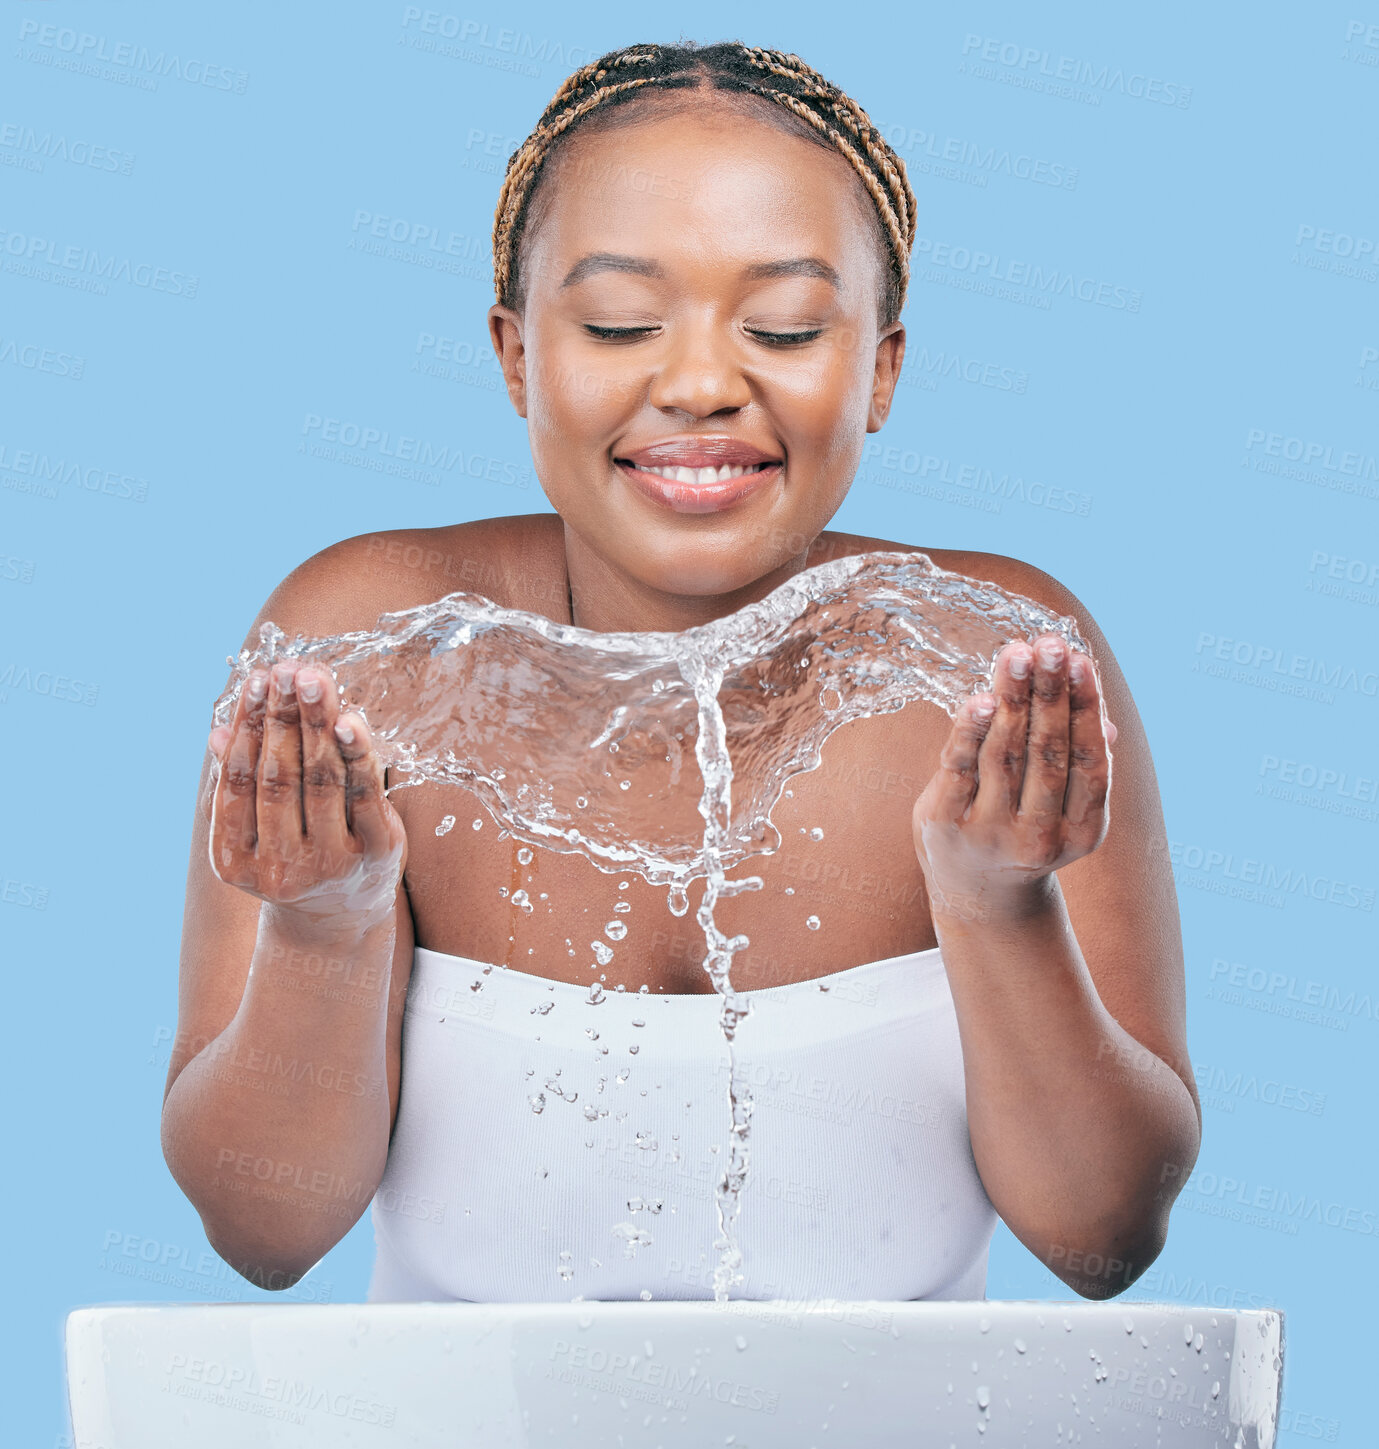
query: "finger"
365, 802
1002, 760
216, 741
1089, 774
323, 766
279, 802
1046, 757
956, 779
234, 816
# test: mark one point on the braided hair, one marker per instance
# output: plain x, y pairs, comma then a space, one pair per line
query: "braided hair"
821, 112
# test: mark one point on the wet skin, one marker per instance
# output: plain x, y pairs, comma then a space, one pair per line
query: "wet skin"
740, 323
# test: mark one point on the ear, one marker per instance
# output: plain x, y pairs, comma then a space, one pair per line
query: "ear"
505, 328
890, 353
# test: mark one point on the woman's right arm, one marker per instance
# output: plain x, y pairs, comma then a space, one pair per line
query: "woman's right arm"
283, 1083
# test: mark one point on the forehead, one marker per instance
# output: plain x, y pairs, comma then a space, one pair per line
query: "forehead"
724, 185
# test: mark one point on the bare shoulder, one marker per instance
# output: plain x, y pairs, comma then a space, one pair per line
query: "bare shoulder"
517, 561
1011, 574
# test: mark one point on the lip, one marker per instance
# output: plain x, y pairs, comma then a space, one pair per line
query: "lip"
697, 497
703, 451
698, 452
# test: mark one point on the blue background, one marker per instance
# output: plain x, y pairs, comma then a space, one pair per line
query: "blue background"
1228, 201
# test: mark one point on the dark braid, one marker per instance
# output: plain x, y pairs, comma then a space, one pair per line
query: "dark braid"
825, 115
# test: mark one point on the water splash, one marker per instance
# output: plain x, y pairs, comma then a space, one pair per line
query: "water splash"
577, 740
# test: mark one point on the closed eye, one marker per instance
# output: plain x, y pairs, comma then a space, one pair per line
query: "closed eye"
617, 334
784, 339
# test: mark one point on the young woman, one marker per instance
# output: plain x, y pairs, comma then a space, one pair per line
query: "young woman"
700, 259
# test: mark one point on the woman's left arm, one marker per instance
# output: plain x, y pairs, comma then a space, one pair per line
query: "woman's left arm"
1055, 911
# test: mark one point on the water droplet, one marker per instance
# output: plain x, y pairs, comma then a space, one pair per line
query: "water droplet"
542, 1008
538, 1102
446, 825
479, 823
983, 1396
812, 922
602, 953
616, 930
524, 856
633, 1238
566, 1269
645, 1295
1187, 1333
646, 1142
582, 801
1020, 1346
816, 833
596, 994
591, 1033
984, 1325
741, 1343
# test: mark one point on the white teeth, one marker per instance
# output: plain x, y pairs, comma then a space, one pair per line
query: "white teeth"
700, 476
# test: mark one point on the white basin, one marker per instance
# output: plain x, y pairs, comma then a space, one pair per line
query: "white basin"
673, 1374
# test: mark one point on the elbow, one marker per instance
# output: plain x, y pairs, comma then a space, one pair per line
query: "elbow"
1112, 1253
265, 1269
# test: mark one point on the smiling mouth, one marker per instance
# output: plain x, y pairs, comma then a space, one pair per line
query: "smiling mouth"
698, 477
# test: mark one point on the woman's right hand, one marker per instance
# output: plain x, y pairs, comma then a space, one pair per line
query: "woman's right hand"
296, 804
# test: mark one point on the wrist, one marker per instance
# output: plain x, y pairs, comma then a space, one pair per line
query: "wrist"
321, 926
957, 903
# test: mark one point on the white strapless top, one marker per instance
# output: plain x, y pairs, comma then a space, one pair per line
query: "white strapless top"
547, 1148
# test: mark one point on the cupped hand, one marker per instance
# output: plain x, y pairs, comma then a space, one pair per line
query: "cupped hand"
297, 810
1022, 784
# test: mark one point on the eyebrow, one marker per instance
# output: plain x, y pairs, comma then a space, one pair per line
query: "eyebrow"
597, 262
796, 267
610, 262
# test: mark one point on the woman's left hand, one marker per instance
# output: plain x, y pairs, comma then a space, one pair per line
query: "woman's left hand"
1021, 786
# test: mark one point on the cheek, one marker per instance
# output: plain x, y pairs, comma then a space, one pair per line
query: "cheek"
826, 399
569, 398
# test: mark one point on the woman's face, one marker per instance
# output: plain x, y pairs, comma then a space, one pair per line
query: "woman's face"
698, 356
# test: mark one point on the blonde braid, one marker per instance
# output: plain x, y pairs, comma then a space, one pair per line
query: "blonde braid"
820, 106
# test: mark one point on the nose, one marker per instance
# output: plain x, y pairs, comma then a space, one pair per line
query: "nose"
700, 374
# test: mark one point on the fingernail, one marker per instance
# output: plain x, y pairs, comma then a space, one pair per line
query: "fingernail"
983, 708
1051, 653
257, 688
1019, 664
1077, 669
309, 687
283, 679
343, 732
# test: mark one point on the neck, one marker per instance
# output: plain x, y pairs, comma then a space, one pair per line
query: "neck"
608, 600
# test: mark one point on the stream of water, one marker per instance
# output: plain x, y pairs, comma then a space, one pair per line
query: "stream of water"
577, 740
